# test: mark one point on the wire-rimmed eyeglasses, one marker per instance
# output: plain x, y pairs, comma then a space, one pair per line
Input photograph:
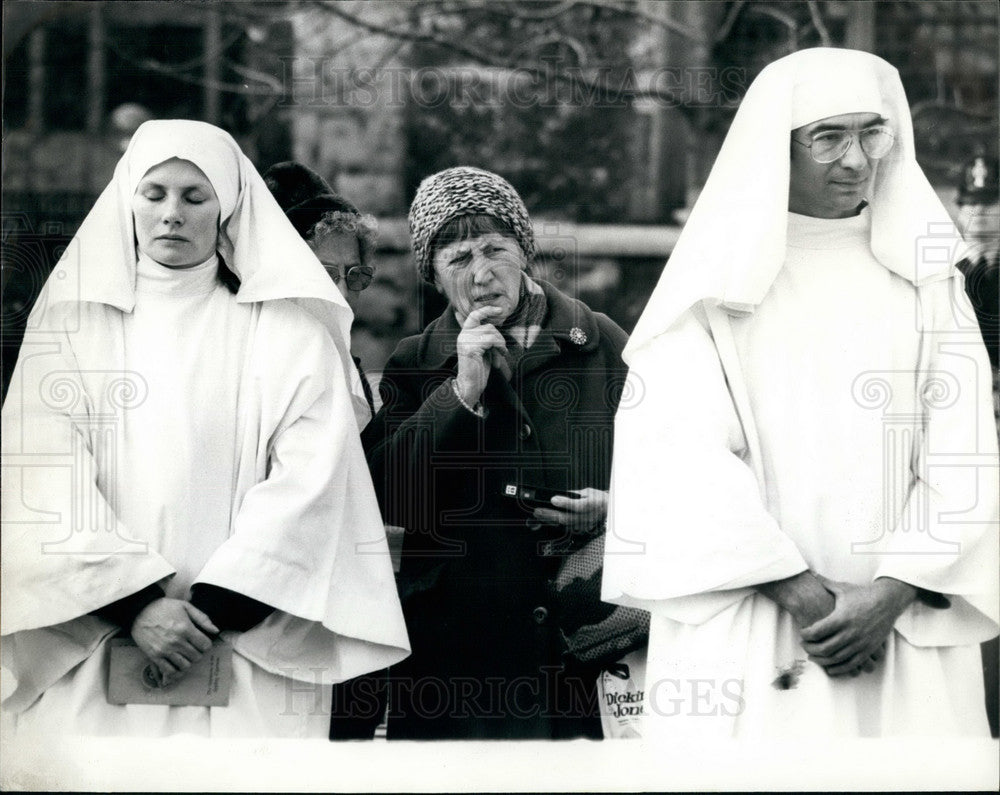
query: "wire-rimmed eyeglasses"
830, 145
358, 277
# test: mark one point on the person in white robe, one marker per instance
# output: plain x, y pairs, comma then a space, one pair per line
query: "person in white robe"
804, 488
182, 463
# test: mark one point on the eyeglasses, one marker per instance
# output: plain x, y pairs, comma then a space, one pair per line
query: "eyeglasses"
358, 276
831, 145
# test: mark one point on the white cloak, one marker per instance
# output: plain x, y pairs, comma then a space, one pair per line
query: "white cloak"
194, 439
867, 449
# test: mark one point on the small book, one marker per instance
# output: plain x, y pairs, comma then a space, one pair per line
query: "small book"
133, 679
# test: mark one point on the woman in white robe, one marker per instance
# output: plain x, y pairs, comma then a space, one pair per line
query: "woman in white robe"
809, 397
180, 451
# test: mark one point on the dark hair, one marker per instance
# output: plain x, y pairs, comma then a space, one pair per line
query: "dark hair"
311, 204
467, 227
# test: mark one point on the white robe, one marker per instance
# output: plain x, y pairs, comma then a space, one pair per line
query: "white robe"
194, 439
869, 469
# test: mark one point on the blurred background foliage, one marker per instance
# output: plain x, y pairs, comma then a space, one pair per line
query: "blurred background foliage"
600, 112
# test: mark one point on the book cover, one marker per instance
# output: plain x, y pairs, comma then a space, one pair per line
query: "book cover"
133, 679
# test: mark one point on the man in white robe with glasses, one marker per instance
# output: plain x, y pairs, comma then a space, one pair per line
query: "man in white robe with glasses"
804, 491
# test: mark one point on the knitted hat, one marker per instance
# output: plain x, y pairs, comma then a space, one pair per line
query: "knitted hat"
304, 195
464, 191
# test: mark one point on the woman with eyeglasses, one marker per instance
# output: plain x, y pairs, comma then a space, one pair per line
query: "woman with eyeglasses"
342, 238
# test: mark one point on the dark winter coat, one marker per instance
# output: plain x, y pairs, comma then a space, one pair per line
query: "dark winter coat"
488, 658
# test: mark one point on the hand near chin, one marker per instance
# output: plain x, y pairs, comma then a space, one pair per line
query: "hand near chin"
476, 341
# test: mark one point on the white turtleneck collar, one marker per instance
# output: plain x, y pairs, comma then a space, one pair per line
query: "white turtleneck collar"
152, 277
805, 231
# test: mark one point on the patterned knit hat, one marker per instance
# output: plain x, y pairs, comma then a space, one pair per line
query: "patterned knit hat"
465, 191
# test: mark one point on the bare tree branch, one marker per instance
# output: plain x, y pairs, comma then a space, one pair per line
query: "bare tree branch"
635, 11
817, 20
727, 24
590, 88
266, 85
476, 55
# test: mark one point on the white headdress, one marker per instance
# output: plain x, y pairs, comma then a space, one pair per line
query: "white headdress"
256, 241
733, 244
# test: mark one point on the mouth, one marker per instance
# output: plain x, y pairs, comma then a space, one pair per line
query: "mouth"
172, 238
486, 298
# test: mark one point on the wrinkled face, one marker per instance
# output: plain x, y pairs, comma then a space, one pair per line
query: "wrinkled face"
339, 252
176, 214
831, 190
481, 271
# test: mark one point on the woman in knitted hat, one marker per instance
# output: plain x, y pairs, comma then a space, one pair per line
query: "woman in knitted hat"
513, 387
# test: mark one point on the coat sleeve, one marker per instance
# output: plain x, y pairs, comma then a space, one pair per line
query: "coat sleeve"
688, 532
946, 538
420, 417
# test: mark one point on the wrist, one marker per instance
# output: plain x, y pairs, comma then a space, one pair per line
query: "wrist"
789, 593
464, 395
898, 593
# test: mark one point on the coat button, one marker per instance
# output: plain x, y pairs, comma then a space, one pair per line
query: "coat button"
525, 431
540, 614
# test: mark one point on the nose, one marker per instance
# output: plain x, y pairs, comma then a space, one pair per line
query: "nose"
854, 158
482, 269
172, 212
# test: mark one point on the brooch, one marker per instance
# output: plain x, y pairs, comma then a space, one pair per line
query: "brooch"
577, 336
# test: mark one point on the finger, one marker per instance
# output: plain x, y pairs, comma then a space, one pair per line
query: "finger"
573, 505
199, 642
187, 648
165, 667
200, 618
478, 316
834, 647
180, 662
824, 628
493, 340
835, 656
551, 517
853, 663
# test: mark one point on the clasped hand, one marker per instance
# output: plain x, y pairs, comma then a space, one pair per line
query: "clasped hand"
172, 634
852, 637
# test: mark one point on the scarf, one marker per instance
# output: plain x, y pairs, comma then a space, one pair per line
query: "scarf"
522, 327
